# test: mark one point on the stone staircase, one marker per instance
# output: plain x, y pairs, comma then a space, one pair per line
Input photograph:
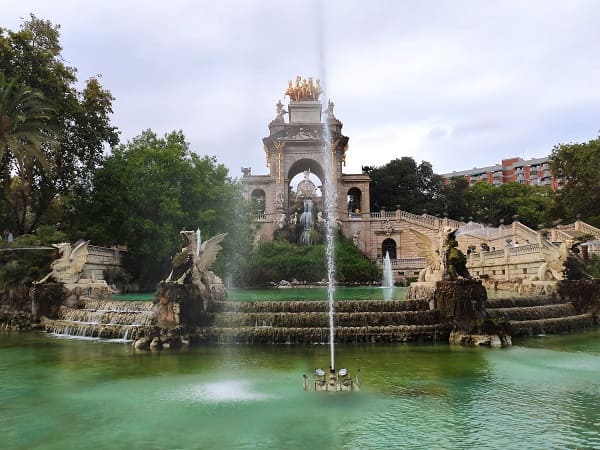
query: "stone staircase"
534, 315
307, 322
96, 318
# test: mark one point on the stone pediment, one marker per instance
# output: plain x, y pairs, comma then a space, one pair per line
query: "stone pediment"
305, 134
295, 133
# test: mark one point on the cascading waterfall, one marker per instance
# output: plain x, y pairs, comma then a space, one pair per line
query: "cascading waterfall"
306, 220
103, 319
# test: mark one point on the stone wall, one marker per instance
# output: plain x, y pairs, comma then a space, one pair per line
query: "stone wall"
101, 258
15, 310
511, 263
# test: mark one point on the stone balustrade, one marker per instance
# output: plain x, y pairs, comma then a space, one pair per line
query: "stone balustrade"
524, 249
587, 229
404, 263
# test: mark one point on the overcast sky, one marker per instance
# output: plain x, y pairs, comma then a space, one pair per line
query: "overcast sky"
456, 83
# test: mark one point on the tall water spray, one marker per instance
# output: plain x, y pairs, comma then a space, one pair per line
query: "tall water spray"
388, 277
330, 208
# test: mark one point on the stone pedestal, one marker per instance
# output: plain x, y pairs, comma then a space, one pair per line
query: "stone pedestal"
305, 112
178, 305
461, 302
47, 298
422, 290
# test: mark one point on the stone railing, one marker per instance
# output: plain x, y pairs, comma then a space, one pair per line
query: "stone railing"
525, 232
587, 229
455, 223
404, 263
524, 249
559, 235
424, 220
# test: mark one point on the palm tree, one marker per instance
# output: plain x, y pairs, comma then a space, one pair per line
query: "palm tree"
24, 123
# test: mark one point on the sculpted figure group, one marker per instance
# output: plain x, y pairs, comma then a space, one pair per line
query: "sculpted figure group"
304, 90
444, 260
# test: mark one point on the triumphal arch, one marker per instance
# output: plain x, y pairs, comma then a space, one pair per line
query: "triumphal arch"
295, 148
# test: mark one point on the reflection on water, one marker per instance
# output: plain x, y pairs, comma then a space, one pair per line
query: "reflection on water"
57, 394
219, 391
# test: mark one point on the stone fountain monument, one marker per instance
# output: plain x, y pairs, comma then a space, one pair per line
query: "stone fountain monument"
184, 296
449, 288
66, 282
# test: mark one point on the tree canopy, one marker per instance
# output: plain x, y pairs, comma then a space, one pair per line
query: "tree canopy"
147, 191
579, 167
491, 204
404, 184
32, 189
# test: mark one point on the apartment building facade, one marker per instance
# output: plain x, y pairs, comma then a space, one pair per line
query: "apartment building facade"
533, 172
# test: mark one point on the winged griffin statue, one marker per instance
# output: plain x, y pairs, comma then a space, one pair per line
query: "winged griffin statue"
68, 268
191, 264
443, 260
552, 269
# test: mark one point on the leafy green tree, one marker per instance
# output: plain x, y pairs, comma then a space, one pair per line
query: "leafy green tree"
404, 184
455, 203
578, 166
593, 267
147, 191
19, 268
24, 117
351, 266
490, 204
31, 59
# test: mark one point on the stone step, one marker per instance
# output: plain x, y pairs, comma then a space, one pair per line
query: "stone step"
551, 326
347, 306
512, 302
118, 317
278, 335
115, 305
532, 312
93, 330
321, 319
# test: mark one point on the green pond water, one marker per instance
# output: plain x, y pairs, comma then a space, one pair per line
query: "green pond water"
68, 394
298, 293
308, 294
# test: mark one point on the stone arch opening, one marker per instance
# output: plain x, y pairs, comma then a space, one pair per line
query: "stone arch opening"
306, 180
388, 246
354, 199
298, 167
258, 199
